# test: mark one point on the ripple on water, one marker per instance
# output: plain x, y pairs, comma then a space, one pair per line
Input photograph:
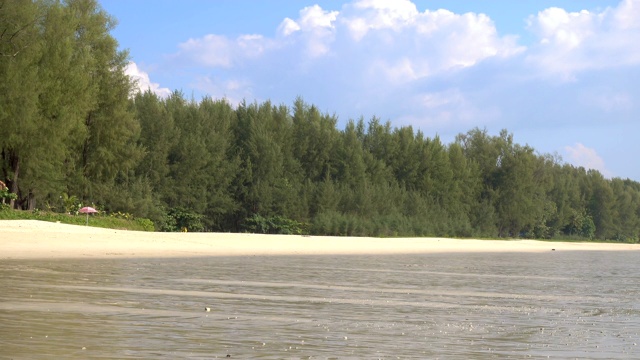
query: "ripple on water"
469, 306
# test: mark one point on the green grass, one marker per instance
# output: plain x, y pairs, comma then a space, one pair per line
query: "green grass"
95, 220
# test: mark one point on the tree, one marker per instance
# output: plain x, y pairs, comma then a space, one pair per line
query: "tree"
464, 190
217, 118
158, 136
21, 46
350, 166
522, 202
110, 149
262, 157
484, 154
314, 141
55, 79
600, 204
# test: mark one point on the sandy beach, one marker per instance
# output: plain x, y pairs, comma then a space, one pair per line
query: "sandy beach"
30, 239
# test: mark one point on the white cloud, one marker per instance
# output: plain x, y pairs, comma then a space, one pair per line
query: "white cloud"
143, 82
252, 45
429, 41
314, 29
570, 42
379, 14
314, 17
442, 110
370, 48
626, 15
394, 33
288, 27
580, 155
220, 51
211, 50
557, 26
234, 90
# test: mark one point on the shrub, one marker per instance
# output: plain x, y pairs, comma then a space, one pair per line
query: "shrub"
179, 219
274, 225
146, 224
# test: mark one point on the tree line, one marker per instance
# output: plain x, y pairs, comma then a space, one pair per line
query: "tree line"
72, 127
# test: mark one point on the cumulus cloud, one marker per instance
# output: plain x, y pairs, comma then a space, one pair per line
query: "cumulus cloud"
570, 42
432, 39
366, 15
368, 49
395, 43
580, 155
413, 44
143, 83
314, 28
313, 31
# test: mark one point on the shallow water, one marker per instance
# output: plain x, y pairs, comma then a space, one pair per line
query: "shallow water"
466, 306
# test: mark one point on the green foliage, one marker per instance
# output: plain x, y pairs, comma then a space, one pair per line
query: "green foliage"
64, 100
145, 224
121, 215
6, 196
273, 225
588, 228
71, 203
179, 219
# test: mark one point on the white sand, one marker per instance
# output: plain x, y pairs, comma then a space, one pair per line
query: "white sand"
30, 239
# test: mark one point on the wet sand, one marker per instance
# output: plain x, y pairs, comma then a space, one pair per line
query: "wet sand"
475, 306
30, 239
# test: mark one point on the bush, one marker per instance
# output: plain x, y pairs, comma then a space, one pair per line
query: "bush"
274, 225
146, 224
5, 197
179, 219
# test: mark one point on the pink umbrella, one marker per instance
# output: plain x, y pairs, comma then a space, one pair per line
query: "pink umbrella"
88, 210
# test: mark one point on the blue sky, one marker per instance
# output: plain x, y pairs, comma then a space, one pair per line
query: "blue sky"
561, 75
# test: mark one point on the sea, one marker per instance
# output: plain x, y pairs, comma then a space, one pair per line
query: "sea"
553, 304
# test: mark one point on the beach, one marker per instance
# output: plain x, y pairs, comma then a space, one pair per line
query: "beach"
31, 239
79, 292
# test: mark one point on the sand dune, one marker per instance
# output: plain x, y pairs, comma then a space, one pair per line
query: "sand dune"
30, 239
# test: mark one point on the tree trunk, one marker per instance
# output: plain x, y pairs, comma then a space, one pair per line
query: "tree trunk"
31, 201
15, 168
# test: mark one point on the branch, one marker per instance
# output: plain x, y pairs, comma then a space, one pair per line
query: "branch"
13, 36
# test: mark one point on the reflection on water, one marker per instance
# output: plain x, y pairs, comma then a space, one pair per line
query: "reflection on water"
468, 306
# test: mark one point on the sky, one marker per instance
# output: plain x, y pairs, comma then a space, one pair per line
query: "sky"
560, 75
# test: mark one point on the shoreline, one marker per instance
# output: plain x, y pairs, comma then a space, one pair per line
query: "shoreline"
33, 239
